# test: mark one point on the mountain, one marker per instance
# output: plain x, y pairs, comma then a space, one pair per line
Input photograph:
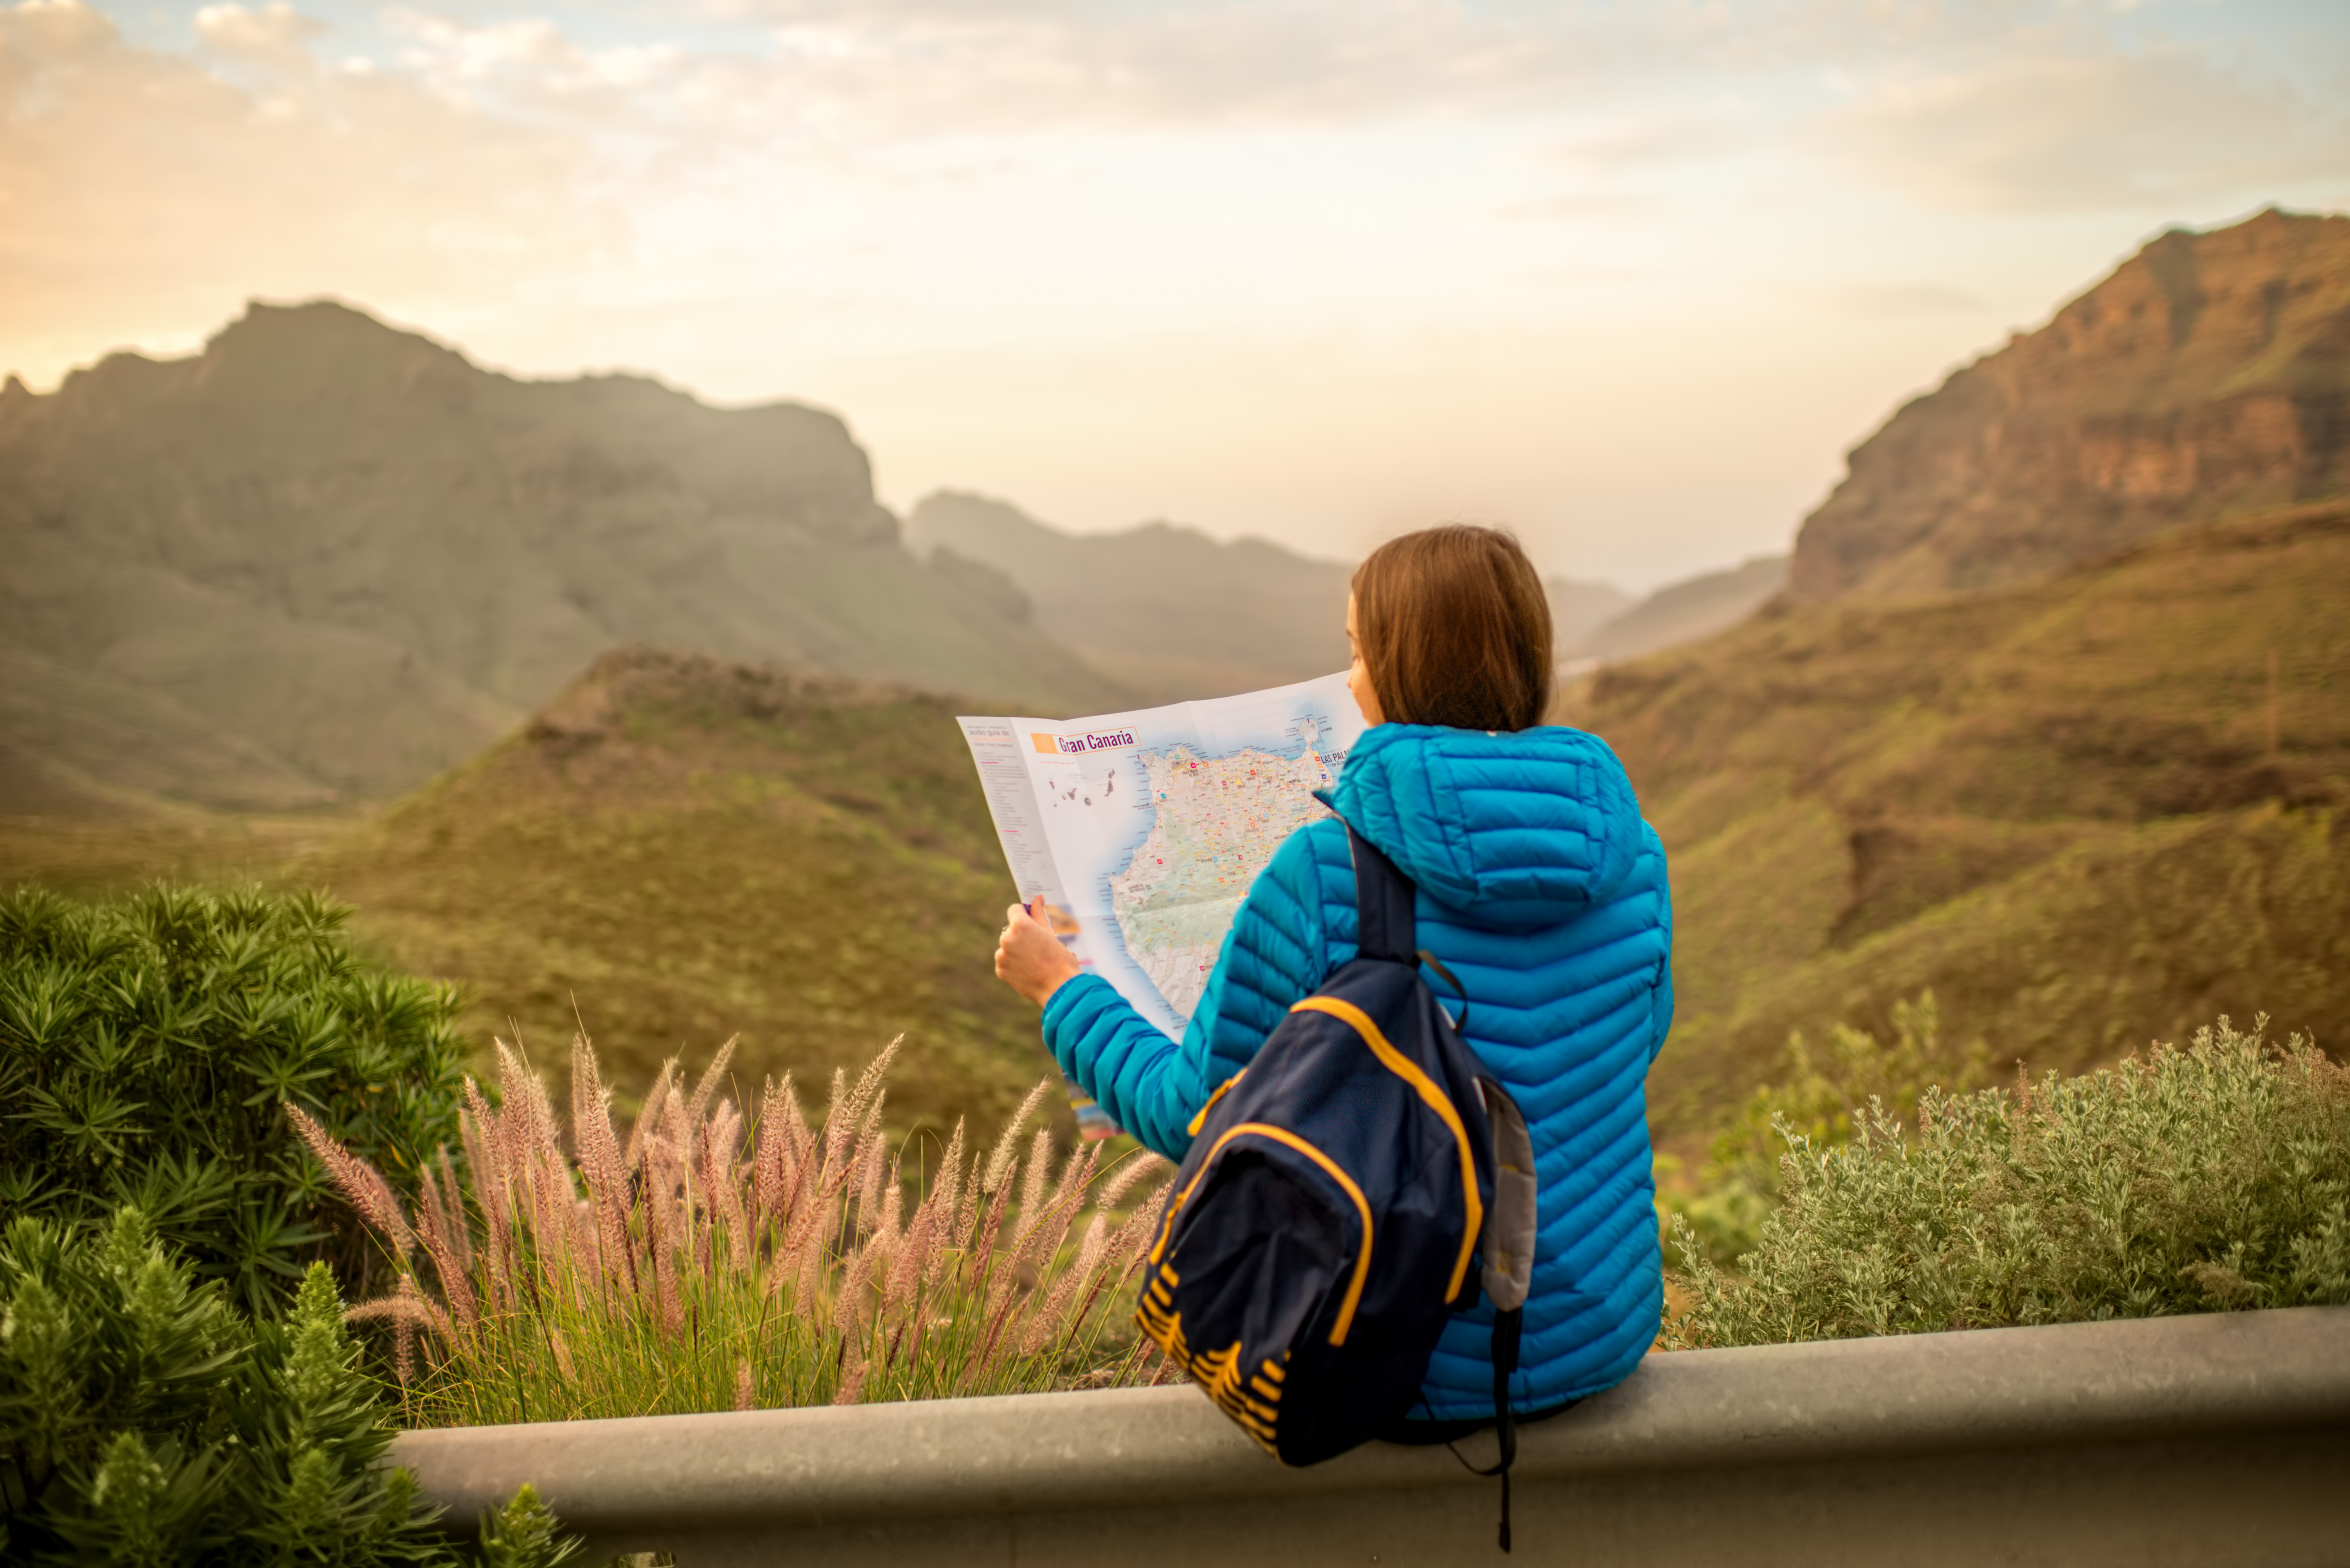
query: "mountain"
2209, 374
324, 560
684, 848
1168, 611
2088, 812
1578, 609
1684, 611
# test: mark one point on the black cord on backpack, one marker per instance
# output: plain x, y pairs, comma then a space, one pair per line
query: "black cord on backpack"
1508, 1327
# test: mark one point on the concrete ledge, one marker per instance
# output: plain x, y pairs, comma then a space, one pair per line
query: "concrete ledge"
2199, 1439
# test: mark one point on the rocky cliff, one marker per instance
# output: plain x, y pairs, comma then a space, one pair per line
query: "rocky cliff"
2209, 375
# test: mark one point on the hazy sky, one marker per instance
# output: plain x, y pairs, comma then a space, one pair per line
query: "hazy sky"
1628, 277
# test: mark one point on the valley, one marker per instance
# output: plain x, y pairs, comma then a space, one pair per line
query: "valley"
611, 707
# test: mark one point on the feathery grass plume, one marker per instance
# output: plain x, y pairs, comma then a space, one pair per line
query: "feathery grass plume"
911, 1252
476, 1129
782, 1146
1032, 1185
866, 1096
441, 1221
1131, 1172
1000, 1159
891, 1220
710, 1076
1050, 1310
648, 1114
370, 1196
868, 1185
949, 1167
681, 1273
720, 1179
838, 1128
600, 1166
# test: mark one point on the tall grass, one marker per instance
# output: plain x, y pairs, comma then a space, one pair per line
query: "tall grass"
2211, 1178
713, 1262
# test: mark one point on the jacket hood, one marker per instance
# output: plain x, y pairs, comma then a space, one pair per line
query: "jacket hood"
1514, 829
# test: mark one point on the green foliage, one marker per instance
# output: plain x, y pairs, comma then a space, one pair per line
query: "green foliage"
693, 1272
1825, 1098
686, 849
522, 1534
146, 1046
2211, 1178
2057, 806
144, 1421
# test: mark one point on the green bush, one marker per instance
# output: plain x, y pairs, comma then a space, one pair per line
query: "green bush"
1825, 1097
143, 1420
2189, 1180
147, 1046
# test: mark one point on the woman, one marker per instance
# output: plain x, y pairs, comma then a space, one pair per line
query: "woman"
1539, 886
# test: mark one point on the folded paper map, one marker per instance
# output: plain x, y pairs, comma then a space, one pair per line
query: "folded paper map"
1142, 831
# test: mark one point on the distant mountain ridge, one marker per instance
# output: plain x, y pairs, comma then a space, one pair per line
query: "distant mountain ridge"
1684, 611
1167, 611
1176, 614
2209, 373
327, 559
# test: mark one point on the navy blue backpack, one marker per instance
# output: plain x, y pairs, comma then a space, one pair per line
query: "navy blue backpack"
1336, 1193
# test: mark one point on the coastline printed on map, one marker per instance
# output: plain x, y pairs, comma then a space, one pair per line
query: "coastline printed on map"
1144, 830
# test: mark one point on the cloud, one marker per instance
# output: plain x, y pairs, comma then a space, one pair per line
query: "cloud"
139, 188
53, 30
530, 53
915, 67
275, 37
2043, 132
1648, 141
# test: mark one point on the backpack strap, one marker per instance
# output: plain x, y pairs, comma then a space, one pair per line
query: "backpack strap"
1384, 919
1383, 912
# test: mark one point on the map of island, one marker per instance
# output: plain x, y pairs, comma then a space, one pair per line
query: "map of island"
1142, 831
1217, 819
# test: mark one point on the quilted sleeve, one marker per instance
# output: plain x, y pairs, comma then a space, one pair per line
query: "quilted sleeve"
1272, 956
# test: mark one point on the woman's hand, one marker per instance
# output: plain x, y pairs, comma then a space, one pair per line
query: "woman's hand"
1030, 959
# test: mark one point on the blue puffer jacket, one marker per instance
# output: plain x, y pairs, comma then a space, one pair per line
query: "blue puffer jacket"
1542, 890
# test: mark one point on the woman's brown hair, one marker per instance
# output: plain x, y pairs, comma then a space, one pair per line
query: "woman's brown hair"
1454, 628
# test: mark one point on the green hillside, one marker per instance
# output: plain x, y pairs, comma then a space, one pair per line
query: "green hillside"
687, 848
2057, 806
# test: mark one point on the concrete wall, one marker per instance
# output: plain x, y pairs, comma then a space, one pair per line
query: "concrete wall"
2201, 1441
